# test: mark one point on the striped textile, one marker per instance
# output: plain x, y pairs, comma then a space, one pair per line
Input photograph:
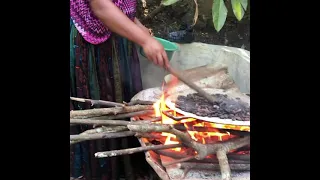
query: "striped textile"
89, 26
102, 66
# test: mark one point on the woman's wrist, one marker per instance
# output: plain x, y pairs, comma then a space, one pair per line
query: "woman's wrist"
145, 39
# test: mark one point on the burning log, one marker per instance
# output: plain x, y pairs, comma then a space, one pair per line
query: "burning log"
107, 111
221, 149
202, 149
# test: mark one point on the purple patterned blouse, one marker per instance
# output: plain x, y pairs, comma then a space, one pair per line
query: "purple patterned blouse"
89, 26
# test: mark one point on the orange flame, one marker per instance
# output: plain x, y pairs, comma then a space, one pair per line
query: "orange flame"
201, 137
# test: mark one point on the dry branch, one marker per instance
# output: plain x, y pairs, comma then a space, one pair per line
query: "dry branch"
154, 13
97, 102
107, 132
105, 129
203, 150
178, 161
100, 122
196, 13
110, 122
107, 111
149, 136
224, 164
134, 150
104, 135
100, 130
125, 115
140, 102
140, 121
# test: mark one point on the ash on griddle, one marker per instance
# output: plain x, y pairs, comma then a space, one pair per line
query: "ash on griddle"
224, 107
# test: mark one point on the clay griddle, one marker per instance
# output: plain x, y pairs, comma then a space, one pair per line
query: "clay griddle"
224, 107
225, 120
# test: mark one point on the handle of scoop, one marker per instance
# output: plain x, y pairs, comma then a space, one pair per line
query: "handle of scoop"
190, 84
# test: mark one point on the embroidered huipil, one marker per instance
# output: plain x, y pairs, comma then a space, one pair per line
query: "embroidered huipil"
89, 26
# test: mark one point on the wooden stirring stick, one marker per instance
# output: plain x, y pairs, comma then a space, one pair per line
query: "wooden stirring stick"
201, 92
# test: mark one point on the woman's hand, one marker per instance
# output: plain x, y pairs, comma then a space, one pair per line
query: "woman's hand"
155, 52
152, 48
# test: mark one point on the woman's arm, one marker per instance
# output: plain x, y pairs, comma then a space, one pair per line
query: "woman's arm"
117, 21
137, 22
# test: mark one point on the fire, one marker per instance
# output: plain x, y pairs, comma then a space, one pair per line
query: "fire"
159, 106
202, 137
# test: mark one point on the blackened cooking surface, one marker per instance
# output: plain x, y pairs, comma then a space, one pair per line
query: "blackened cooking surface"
217, 122
224, 107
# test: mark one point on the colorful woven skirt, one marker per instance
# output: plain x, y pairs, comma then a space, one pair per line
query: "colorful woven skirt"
108, 71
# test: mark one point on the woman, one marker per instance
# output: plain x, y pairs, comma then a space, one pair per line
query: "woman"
104, 65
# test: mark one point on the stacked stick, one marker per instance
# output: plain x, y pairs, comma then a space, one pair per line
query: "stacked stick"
107, 124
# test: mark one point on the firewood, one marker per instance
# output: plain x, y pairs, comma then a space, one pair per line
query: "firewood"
97, 102
112, 128
126, 115
134, 150
107, 111
104, 135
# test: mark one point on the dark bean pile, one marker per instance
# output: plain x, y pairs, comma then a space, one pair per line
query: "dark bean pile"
224, 107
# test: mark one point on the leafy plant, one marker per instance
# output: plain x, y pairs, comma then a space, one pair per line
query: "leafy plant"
219, 10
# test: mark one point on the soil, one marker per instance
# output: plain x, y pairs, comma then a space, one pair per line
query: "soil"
224, 107
234, 33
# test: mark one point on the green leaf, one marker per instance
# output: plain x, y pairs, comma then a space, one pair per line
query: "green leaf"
244, 4
237, 9
168, 2
219, 14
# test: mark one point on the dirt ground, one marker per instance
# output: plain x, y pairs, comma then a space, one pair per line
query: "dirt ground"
234, 33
